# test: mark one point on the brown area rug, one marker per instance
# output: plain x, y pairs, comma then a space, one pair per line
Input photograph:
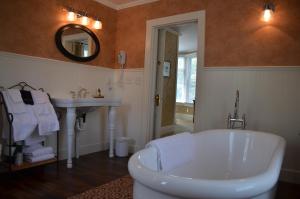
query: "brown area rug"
121, 188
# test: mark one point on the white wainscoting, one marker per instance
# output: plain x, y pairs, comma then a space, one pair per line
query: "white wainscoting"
270, 98
128, 85
58, 78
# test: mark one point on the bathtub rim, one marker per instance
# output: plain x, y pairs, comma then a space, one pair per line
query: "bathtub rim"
193, 188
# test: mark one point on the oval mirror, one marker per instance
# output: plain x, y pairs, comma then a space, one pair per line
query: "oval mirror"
77, 42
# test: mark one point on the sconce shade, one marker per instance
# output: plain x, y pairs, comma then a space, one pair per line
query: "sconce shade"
71, 16
84, 20
98, 25
269, 8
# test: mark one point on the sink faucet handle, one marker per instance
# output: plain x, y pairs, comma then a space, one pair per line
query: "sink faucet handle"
85, 94
73, 93
82, 93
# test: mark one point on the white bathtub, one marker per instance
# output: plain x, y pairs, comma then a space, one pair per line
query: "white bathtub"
229, 164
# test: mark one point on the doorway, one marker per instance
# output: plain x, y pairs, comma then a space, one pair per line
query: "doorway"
176, 75
151, 62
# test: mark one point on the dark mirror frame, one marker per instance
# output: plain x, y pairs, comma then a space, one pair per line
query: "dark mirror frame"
60, 46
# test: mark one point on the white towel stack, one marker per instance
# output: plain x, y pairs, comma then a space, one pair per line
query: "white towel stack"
37, 152
173, 151
34, 151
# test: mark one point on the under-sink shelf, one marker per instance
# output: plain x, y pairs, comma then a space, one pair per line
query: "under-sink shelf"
27, 165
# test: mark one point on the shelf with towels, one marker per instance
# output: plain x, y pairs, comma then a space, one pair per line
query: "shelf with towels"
27, 165
8, 161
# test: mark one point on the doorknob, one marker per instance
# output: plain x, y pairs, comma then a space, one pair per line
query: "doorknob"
157, 99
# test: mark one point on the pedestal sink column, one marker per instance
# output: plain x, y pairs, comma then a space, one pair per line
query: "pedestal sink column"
70, 119
111, 129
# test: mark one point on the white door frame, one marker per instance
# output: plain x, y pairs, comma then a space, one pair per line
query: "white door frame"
151, 61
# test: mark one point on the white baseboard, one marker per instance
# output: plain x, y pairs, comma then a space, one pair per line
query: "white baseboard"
133, 148
85, 149
290, 175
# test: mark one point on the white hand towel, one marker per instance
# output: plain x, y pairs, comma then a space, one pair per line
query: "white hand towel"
174, 151
47, 120
30, 149
39, 97
34, 139
33, 159
40, 152
12, 100
15, 95
24, 120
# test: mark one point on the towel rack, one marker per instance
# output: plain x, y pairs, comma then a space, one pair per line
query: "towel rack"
23, 85
11, 167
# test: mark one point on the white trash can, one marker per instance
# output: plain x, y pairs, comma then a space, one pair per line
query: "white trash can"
122, 146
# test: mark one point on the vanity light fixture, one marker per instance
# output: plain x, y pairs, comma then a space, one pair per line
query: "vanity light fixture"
98, 24
269, 9
73, 15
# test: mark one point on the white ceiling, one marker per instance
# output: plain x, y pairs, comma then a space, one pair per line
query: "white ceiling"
122, 4
187, 37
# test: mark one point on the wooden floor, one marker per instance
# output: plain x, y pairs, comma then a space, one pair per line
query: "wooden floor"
45, 182
89, 171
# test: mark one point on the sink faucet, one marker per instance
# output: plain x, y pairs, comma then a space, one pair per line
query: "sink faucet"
232, 121
82, 93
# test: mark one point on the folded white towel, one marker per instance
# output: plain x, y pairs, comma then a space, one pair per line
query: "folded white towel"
33, 159
31, 148
15, 95
24, 120
13, 101
39, 97
34, 139
40, 152
174, 151
46, 117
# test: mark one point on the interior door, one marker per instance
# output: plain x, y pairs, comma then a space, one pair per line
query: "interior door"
166, 77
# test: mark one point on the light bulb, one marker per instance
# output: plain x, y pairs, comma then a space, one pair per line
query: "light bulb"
71, 16
267, 15
84, 20
98, 25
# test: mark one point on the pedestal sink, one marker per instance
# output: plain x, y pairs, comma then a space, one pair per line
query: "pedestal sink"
72, 104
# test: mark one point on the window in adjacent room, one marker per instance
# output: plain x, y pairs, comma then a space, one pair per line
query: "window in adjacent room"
186, 78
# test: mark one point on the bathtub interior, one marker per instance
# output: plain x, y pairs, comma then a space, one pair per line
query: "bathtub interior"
223, 155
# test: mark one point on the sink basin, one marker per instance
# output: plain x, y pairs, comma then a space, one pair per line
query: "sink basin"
85, 102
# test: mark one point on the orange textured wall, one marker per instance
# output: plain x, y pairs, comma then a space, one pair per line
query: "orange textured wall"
28, 27
235, 33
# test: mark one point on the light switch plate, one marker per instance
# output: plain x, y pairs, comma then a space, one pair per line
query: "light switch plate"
166, 69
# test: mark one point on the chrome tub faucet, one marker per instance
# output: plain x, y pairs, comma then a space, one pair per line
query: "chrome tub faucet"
235, 122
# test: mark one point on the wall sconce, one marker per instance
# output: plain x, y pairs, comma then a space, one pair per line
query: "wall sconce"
84, 19
269, 8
